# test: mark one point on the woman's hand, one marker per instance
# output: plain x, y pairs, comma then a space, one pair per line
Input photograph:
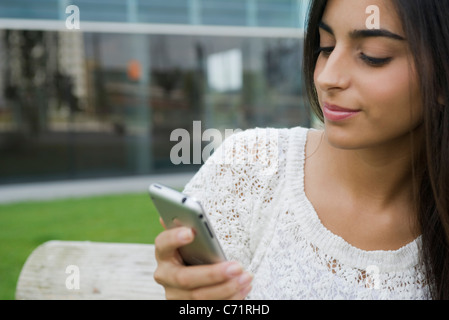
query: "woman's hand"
221, 281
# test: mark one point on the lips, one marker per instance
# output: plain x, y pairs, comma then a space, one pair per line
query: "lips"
336, 113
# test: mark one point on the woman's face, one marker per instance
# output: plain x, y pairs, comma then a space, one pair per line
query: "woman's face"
365, 81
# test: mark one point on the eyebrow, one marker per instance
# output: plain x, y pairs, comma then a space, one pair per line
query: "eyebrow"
365, 33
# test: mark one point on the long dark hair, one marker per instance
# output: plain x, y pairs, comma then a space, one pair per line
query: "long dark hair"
427, 31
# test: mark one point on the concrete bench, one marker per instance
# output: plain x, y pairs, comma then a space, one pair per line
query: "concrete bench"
83, 270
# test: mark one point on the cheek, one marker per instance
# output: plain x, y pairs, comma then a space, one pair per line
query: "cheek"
394, 94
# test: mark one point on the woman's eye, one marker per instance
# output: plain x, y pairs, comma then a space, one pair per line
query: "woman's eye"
370, 61
326, 51
374, 62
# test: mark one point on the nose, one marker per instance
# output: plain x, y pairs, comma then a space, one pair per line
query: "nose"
332, 73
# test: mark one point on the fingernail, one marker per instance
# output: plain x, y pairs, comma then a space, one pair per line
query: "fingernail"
185, 235
234, 269
245, 279
246, 290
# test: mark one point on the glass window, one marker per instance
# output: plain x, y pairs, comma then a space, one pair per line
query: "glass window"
229, 12
103, 10
82, 104
28, 9
162, 11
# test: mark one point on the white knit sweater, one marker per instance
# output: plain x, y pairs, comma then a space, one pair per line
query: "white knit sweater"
252, 188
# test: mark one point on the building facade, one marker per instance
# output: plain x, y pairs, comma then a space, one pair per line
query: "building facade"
100, 88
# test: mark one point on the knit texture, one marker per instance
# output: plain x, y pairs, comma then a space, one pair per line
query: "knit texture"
252, 189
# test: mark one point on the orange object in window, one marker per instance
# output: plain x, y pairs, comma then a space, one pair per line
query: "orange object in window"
134, 70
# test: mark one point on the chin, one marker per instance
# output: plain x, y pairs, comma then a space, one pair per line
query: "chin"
343, 138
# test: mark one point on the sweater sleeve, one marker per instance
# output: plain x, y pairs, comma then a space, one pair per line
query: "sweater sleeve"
231, 186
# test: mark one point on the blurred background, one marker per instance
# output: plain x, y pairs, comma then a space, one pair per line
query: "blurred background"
102, 100
90, 111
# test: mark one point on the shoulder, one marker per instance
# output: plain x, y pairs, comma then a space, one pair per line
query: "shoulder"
270, 132
255, 157
261, 150
258, 154
256, 142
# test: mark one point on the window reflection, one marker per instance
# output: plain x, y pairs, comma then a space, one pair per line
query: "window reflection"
224, 70
77, 105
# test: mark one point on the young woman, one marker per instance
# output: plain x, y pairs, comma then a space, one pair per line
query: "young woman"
358, 210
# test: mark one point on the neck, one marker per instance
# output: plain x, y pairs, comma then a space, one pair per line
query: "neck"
380, 175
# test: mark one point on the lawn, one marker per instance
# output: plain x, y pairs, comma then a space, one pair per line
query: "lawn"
128, 218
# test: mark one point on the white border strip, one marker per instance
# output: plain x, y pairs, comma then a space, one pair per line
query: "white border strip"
149, 28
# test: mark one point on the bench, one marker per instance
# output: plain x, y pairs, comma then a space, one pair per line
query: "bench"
83, 270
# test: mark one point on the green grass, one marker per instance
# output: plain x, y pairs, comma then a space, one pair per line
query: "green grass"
129, 218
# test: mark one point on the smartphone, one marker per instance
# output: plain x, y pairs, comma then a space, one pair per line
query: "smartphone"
177, 209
